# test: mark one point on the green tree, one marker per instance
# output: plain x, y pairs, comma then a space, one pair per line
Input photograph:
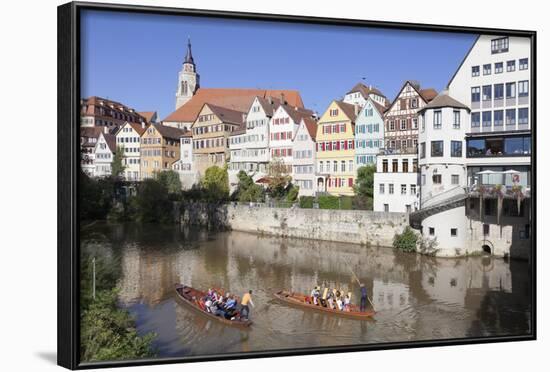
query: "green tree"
292, 194
278, 178
216, 183
364, 187
170, 180
96, 197
152, 203
406, 241
247, 190
117, 166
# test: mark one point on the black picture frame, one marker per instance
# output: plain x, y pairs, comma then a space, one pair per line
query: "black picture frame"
68, 171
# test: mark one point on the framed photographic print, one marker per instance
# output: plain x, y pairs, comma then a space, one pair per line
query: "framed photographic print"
236, 185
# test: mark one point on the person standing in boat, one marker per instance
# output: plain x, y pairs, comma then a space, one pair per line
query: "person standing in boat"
247, 299
364, 296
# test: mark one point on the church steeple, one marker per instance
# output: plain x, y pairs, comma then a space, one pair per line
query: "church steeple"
188, 78
189, 54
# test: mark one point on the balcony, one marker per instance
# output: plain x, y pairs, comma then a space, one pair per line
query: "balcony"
498, 146
507, 184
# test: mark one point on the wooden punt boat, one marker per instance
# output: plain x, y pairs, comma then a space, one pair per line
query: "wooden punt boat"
188, 295
299, 300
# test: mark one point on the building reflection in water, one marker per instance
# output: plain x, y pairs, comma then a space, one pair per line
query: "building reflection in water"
416, 297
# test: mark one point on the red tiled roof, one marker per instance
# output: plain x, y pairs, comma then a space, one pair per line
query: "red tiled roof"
311, 126
235, 99
148, 115
365, 90
348, 109
428, 94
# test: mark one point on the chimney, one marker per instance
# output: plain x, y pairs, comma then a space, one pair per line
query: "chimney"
143, 124
356, 109
283, 102
106, 130
270, 100
244, 117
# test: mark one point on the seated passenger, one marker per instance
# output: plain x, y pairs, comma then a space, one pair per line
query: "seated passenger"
347, 303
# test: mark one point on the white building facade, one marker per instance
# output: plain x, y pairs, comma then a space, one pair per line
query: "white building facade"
396, 183
184, 166
128, 137
304, 159
105, 149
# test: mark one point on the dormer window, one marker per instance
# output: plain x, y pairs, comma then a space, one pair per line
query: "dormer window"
499, 45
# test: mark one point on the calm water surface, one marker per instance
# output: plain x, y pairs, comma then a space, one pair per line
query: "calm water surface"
417, 298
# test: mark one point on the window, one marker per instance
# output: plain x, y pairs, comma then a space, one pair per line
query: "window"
403, 124
499, 68
487, 118
391, 188
437, 119
405, 166
523, 116
456, 119
415, 123
511, 66
499, 45
456, 149
510, 90
523, 88
523, 64
382, 186
386, 207
437, 148
432, 231
455, 178
436, 179
414, 102
476, 91
385, 166
499, 118
485, 229
403, 189
475, 119
499, 91
487, 69
454, 231
511, 117
413, 189
423, 179
395, 166
475, 71
422, 150
487, 92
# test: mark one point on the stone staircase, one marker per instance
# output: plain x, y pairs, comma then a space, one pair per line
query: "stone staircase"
416, 218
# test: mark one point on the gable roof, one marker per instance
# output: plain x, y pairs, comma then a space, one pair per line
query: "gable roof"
269, 104
426, 94
227, 115
148, 115
232, 98
297, 113
348, 109
381, 109
444, 100
311, 126
365, 90
91, 132
110, 140
169, 132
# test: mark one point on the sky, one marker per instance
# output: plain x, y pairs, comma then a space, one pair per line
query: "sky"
134, 58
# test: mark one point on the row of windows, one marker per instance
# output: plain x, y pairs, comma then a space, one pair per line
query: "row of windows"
211, 142
395, 166
281, 136
499, 91
404, 124
250, 124
244, 139
303, 169
339, 182
335, 166
304, 184
366, 159
213, 129
437, 179
248, 153
494, 146
281, 152
128, 139
333, 128
367, 128
182, 166
499, 67
303, 154
402, 144
278, 121
371, 144
499, 117
437, 149
411, 189
335, 145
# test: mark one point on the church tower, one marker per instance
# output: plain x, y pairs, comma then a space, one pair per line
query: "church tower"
188, 79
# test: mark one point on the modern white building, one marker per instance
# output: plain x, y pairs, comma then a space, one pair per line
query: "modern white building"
105, 149
303, 157
443, 126
128, 137
396, 183
184, 166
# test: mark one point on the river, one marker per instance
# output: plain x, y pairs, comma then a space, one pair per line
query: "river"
416, 297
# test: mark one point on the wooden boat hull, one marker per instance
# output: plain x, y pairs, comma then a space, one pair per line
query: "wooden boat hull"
298, 300
184, 295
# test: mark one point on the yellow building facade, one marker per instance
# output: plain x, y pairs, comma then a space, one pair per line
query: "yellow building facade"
336, 149
160, 148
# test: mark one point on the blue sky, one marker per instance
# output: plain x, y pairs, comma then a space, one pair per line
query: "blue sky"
135, 58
